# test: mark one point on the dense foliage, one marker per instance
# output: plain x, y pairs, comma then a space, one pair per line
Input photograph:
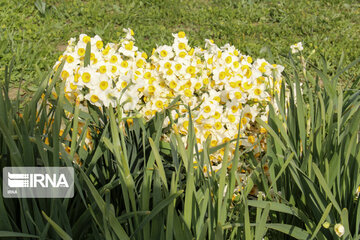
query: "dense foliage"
131, 184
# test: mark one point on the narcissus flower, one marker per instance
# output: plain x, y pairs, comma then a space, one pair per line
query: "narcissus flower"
297, 47
339, 229
225, 89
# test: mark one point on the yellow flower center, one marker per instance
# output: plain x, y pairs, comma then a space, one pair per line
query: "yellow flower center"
69, 59
144, 55
218, 125
151, 89
181, 34
237, 95
248, 115
243, 120
197, 86
159, 104
99, 44
102, 69
214, 143
113, 59
140, 63
124, 64
64, 74
147, 75
222, 75
73, 86
217, 115
124, 84
169, 72
231, 118
207, 109
186, 124
81, 51
163, 53
251, 139
188, 93
86, 39
94, 98
129, 46
172, 84
86, 77
167, 65
190, 70
181, 46
104, 85
182, 54
228, 59
247, 85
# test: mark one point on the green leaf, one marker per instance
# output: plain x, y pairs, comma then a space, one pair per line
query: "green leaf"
57, 228
87, 54
6, 234
326, 188
322, 220
280, 207
115, 225
290, 157
290, 230
260, 229
159, 163
159, 207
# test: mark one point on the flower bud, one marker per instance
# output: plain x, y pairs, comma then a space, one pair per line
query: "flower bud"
326, 225
339, 229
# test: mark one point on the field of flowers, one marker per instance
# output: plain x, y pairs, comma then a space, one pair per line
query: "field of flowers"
190, 141
219, 85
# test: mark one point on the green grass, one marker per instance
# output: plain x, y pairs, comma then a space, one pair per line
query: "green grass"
35, 38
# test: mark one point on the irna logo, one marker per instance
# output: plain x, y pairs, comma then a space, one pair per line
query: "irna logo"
16, 180
38, 182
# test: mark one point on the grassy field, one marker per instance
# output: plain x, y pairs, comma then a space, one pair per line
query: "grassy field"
35, 35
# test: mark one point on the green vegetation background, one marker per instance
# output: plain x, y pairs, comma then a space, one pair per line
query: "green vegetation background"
36, 32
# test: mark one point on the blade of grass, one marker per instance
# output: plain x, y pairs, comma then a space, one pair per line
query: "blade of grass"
260, 229
326, 187
56, 227
6, 234
159, 163
322, 220
290, 230
159, 207
115, 225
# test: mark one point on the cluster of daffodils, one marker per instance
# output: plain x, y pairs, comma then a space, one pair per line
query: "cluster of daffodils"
225, 89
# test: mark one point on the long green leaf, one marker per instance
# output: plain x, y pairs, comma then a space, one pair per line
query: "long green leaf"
119, 231
290, 230
57, 228
322, 220
159, 207
326, 188
260, 229
6, 234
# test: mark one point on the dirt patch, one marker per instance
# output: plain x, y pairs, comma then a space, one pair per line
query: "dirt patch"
61, 48
13, 92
